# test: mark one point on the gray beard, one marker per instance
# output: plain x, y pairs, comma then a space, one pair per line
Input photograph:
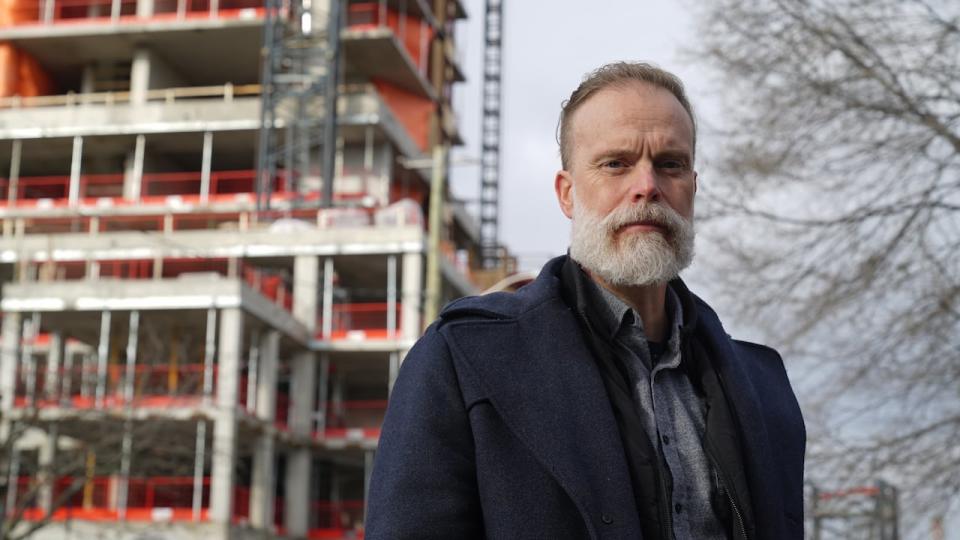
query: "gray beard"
633, 259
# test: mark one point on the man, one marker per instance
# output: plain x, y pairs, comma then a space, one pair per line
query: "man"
604, 400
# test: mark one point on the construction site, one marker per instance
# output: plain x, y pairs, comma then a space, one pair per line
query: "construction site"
224, 224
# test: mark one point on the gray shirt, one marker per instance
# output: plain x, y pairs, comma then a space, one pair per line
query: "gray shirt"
673, 415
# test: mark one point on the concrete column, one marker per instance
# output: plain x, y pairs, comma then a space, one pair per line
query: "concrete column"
47, 459
73, 195
394, 368
88, 78
253, 372
140, 76
306, 280
199, 459
48, 8
133, 170
209, 350
28, 364
327, 317
267, 378
103, 350
144, 8
322, 393
303, 389
391, 296
264, 481
297, 495
410, 296
9, 355
16, 147
206, 159
54, 359
225, 422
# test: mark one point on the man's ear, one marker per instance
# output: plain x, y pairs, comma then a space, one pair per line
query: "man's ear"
563, 185
695, 182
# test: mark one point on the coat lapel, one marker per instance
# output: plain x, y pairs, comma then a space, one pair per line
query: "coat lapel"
539, 376
765, 494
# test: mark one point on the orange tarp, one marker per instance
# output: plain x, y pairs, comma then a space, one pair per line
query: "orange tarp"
17, 11
411, 110
21, 74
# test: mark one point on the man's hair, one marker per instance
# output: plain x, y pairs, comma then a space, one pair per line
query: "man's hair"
618, 74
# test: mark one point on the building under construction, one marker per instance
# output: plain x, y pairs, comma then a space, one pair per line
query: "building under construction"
214, 255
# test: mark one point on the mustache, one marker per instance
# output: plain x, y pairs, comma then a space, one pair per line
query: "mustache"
649, 213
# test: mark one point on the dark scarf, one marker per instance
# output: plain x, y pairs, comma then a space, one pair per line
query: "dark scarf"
649, 477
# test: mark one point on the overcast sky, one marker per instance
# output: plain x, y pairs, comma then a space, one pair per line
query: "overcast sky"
548, 47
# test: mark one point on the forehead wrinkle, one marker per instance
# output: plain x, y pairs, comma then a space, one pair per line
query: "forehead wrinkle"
655, 142
638, 119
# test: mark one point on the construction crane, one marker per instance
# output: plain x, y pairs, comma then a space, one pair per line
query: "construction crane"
490, 136
299, 87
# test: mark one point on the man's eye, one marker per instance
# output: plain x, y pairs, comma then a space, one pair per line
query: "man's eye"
614, 164
672, 164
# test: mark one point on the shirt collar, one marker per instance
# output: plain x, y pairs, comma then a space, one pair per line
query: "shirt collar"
614, 314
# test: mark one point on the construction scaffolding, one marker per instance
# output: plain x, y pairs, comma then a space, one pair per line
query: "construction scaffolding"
299, 78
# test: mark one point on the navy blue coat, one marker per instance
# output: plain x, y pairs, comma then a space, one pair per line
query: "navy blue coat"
499, 426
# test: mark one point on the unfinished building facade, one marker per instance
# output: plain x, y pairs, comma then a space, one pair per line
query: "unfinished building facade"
184, 354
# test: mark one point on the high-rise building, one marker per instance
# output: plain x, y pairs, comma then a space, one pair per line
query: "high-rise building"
191, 349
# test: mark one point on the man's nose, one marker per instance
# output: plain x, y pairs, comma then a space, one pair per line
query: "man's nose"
644, 184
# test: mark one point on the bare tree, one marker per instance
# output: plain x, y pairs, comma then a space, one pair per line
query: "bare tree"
837, 217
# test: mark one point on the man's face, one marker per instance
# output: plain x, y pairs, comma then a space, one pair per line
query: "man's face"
630, 185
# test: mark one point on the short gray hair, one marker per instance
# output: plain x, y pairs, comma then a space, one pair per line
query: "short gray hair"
617, 74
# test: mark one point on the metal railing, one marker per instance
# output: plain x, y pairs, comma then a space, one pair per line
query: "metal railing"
371, 319
226, 92
48, 12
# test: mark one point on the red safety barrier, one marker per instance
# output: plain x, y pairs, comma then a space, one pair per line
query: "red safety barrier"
367, 320
413, 32
165, 492
356, 414
271, 285
335, 515
155, 386
155, 187
158, 498
83, 11
72, 10
221, 183
282, 413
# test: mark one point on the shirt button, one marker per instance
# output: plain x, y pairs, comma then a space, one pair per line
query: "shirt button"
666, 439
606, 518
678, 508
